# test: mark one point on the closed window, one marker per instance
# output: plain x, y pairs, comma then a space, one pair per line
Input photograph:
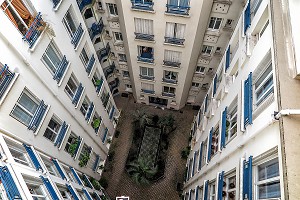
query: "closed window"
145, 71
194, 84
204, 154
231, 122
200, 69
70, 22
52, 57
147, 86
71, 86
52, 129
268, 180
214, 23
36, 188
122, 57
25, 107
175, 30
118, 36
85, 105
207, 49
169, 90
172, 56
144, 26
112, 8
85, 55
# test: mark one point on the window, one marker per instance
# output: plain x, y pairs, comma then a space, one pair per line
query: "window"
36, 188
145, 71
204, 153
96, 122
170, 75
85, 105
25, 107
18, 153
268, 181
145, 52
85, 55
229, 23
212, 191
169, 90
215, 141
84, 151
122, 57
71, 86
96, 78
147, 86
112, 9
264, 85
229, 187
175, 30
118, 36
144, 26
128, 85
52, 57
71, 140
231, 122
194, 84
70, 22
125, 73
20, 14
200, 193
207, 49
88, 13
50, 166
172, 56
214, 23
200, 69
218, 50
52, 129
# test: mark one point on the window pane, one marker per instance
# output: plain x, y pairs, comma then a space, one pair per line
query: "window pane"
28, 103
269, 190
268, 170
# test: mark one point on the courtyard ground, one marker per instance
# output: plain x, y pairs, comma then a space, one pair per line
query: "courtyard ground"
119, 183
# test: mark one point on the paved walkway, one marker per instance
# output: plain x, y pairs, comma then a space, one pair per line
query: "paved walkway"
119, 183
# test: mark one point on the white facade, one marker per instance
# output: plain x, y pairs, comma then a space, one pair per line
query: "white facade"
236, 146
54, 98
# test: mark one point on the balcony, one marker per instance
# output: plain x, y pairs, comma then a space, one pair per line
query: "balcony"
142, 36
171, 63
77, 36
6, 77
96, 29
166, 94
148, 91
179, 10
109, 70
142, 5
147, 77
114, 84
169, 81
82, 3
35, 30
176, 41
104, 52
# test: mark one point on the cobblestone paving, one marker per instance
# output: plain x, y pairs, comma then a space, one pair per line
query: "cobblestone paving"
119, 183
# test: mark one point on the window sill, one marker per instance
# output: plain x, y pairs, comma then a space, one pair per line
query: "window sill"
145, 62
152, 81
175, 45
148, 41
113, 18
8, 88
145, 93
168, 66
141, 10
177, 15
167, 83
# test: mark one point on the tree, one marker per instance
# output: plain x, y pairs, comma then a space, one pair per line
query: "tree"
141, 117
141, 172
166, 122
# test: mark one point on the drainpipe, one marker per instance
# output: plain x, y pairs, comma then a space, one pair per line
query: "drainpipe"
286, 112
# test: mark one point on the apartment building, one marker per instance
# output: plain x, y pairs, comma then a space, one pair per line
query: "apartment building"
57, 114
244, 136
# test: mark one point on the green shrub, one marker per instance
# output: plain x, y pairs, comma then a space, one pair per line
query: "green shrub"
103, 182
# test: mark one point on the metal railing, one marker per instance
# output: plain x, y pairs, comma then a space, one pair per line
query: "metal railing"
172, 40
143, 36
77, 36
35, 30
142, 5
175, 9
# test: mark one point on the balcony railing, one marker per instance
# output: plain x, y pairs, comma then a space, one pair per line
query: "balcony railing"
114, 84
55, 3
171, 63
90, 64
168, 94
82, 3
169, 81
61, 69
147, 77
142, 36
109, 70
148, 91
96, 29
77, 36
6, 77
177, 41
143, 59
35, 30
77, 94
175, 9
140, 5
99, 85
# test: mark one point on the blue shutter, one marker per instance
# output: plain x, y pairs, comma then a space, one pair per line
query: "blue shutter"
215, 85
200, 156
112, 113
105, 135
205, 105
97, 196
72, 191
96, 164
87, 180
37, 117
90, 64
9, 184
223, 131
33, 157
227, 60
247, 179
77, 94
61, 69
197, 193
59, 169
89, 111
248, 101
50, 188
79, 141
220, 185
100, 85
247, 17
76, 176
205, 192
194, 163
87, 194
61, 134
209, 145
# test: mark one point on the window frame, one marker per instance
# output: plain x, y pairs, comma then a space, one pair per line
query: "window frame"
112, 7
76, 83
216, 23
59, 122
52, 69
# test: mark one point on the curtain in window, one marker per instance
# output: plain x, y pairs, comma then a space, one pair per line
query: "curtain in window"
170, 29
22, 10
172, 56
4, 7
143, 26
173, 2
147, 86
179, 31
184, 3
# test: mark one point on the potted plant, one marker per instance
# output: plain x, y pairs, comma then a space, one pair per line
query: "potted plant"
96, 123
84, 159
73, 147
